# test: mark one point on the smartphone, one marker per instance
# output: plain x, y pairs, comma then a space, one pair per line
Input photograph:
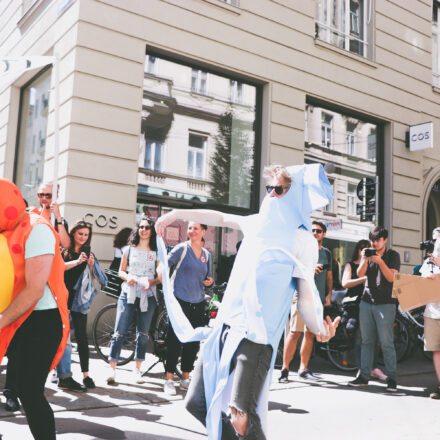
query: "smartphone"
86, 249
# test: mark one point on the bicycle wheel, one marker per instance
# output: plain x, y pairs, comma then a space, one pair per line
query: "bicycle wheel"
103, 328
340, 351
159, 330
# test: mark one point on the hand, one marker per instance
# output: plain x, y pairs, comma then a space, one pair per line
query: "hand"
55, 210
146, 283
375, 259
330, 329
82, 258
91, 260
208, 282
435, 260
319, 269
131, 280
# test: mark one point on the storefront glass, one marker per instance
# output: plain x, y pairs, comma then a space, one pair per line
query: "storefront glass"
32, 137
347, 146
198, 141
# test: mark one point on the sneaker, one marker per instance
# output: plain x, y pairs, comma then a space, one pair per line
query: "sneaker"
184, 384
138, 376
435, 394
307, 375
284, 377
360, 381
169, 388
391, 385
12, 403
378, 374
69, 383
111, 379
54, 377
88, 382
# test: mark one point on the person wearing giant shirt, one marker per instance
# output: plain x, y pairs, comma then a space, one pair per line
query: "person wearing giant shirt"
34, 322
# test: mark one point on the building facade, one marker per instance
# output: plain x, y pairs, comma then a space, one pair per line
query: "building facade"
181, 103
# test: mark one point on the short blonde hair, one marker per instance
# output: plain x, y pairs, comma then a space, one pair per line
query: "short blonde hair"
275, 170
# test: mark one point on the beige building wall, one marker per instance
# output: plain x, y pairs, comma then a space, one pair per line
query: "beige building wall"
102, 45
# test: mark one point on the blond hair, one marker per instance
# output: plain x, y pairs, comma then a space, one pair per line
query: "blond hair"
277, 171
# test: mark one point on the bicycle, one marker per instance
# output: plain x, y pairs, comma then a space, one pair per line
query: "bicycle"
416, 324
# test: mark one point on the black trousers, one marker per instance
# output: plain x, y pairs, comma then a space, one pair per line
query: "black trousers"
80, 326
195, 314
31, 353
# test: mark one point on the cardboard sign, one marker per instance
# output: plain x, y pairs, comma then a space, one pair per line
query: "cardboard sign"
413, 291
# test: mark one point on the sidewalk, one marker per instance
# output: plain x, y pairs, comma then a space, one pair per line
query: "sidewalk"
143, 412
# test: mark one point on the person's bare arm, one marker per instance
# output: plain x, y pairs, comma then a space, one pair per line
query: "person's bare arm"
71, 264
205, 216
387, 272
347, 281
362, 269
329, 287
37, 271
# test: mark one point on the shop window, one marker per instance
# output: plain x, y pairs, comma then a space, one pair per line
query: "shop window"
153, 155
196, 155
344, 23
326, 130
210, 153
29, 168
198, 81
435, 44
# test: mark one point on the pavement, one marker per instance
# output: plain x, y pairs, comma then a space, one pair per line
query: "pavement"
297, 410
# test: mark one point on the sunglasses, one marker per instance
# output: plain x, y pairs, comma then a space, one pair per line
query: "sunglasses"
83, 225
279, 189
318, 231
45, 195
145, 227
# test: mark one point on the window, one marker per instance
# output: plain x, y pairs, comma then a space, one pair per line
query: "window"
344, 23
326, 130
196, 155
371, 146
205, 149
236, 91
198, 81
231, 2
435, 45
351, 200
331, 206
29, 171
350, 138
151, 65
153, 155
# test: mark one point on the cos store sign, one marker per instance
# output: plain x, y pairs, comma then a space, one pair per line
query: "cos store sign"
101, 220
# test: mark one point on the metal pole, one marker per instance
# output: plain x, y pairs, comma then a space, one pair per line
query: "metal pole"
364, 199
376, 200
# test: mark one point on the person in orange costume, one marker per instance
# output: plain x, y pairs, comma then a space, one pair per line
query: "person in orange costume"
34, 322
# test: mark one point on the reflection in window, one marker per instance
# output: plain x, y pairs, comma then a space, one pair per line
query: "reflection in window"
196, 155
150, 64
153, 155
210, 143
32, 137
198, 81
326, 130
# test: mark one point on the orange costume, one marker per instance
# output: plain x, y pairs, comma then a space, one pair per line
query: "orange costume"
15, 226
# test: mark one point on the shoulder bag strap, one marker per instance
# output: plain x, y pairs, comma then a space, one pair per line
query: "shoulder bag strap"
182, 256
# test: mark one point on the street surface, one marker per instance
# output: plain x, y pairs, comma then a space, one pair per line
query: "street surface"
297, 410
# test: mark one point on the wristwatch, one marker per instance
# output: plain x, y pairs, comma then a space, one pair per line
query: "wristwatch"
60, 222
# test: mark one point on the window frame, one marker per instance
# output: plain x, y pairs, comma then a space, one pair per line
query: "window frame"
199, 75
152, 161
327, 127
196, 151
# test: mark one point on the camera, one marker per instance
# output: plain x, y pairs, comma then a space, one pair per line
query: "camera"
369, 252
326, 266
427, 246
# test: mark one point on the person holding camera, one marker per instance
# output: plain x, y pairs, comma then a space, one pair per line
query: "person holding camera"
377, 310
81, 268
430, 269
324, 284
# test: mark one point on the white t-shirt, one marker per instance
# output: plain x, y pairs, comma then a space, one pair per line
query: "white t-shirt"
432, 310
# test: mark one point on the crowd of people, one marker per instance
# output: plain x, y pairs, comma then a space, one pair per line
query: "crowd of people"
53, 286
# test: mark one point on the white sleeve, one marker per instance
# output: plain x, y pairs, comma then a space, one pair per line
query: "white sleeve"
306, 250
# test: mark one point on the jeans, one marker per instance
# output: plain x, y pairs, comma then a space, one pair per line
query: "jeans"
251, 362
64, 365
358, 348
124, 318
195, 312
377, 321
32, 350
